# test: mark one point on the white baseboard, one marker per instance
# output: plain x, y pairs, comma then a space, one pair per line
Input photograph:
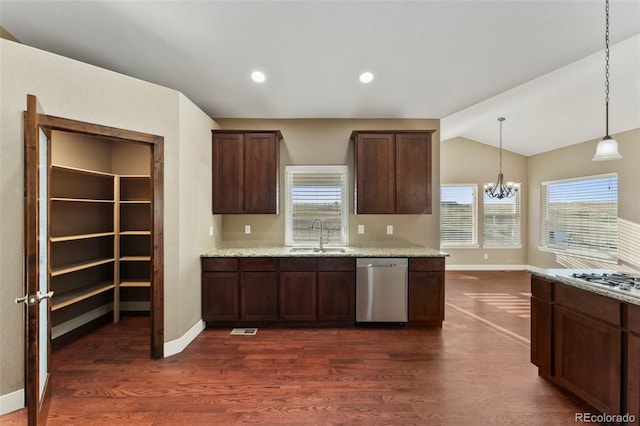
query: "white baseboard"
176, 346
487, 267
11, 402
80, 320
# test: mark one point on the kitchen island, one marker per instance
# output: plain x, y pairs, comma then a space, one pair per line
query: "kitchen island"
585, 339
293, 286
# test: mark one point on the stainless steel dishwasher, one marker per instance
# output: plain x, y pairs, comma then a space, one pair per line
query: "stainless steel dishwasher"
382, 290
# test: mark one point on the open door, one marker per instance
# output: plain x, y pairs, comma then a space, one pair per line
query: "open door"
37, 298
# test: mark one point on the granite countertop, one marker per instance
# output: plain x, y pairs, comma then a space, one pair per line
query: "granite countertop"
350, 251
564, 276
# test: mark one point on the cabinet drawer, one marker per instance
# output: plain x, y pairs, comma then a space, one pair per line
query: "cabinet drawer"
426, 264
337, 264
594, 305
258, 264
633, 318
297, 264
219, 264
541, 289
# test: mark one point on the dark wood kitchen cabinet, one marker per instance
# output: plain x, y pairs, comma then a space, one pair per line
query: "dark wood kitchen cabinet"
297, 289
632, 379
541, 314
392, 172
246, 168
219, 289
258, 289
426, 290
336, 289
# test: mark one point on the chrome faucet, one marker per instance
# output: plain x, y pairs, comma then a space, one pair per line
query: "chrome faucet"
313, 226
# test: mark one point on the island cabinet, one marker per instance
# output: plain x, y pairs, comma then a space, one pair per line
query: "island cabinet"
426, 290
392, 172
632, 379
541, 314
246, 169
297, 289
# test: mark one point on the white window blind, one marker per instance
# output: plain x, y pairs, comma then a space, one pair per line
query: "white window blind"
316, 192
501, 224
580, 216
458, 213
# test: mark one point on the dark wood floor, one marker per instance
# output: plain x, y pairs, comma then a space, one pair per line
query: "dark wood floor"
473, 371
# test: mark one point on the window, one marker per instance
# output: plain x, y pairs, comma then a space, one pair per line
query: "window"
580, 216
458, 212
316, 192
501, 225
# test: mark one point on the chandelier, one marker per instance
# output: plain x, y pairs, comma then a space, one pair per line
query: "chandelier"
500, 189
608, 147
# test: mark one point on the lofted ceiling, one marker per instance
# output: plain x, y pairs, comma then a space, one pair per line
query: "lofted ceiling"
538, 63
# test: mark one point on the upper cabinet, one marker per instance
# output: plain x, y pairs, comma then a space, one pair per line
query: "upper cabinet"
393, 172
246, 168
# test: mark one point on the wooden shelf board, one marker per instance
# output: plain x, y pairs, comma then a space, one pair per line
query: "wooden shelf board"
82, 200
135, 284
81, 237
80, 266
135, 232
135, 202
67, 299
135, 258
135, 176
81, 171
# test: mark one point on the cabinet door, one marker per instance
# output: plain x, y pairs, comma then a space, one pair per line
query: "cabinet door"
375, 173
297, 296
541, 335
259, 296
220, 296
261, 173
413, 173
587, 359
336, 296
228, 173
426, 297
633, 376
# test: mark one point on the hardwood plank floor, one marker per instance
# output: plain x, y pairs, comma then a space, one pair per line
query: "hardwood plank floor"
473, 371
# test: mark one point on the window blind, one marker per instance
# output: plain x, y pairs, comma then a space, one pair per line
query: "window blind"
458, 213
580, 216
316, 192
501, 221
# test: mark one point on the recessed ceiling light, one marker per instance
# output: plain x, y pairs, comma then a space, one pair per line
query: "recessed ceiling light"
258, 77
366, 77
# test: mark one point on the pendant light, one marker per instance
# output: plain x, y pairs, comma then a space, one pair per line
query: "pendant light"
608, 147
500, 189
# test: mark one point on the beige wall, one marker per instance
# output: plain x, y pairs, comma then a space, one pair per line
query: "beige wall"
326, 142
575, 161
71, 89
463, 161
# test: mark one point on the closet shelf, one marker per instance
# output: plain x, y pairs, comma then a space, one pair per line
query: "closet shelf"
135, 258
132, 283
82, 200
135, 232
66, 299
81, 171
80, 266
81, 237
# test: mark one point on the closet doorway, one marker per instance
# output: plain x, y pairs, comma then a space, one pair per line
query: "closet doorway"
105, 227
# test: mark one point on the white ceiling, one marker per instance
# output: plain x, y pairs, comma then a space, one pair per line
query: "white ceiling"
538, 63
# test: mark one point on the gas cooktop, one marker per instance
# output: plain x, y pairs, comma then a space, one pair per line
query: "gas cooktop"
615, 281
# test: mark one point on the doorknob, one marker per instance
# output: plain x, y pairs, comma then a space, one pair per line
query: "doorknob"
41, 296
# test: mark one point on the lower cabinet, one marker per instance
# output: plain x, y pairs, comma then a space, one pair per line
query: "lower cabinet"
297, 296
426, 290
541, 323
259, 296
220, 296
336, 289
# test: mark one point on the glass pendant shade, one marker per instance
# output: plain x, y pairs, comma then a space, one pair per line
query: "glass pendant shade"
607, 150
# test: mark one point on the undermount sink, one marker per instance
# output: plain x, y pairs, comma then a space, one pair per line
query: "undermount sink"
317, 250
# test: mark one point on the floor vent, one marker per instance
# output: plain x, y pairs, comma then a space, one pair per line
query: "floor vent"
244, 331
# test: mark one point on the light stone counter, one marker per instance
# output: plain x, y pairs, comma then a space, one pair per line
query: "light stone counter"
348, 252
563, 276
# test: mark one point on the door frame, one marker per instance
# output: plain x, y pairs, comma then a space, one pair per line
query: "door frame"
156, 144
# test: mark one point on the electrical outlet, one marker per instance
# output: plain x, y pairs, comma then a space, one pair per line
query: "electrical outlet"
211, 231
247, 229
486, 256
389, 229
360, 229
